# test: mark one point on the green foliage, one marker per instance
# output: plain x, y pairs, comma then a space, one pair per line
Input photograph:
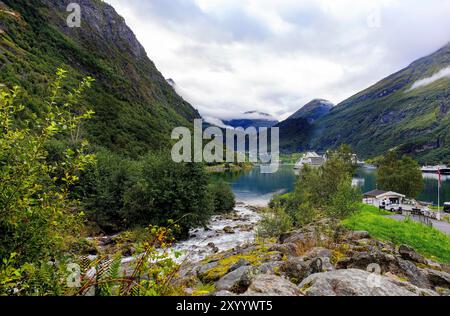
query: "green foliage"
168, 190
102, 188
274, 223
37, 215
324, 191
400, 175
426, 240
150, 273
223, 197
136, 109
345, 201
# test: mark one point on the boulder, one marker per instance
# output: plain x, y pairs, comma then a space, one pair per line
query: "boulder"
318, 252
296, 269
357, 235
271, 285
205, 267
352, 282
409, 253
438, 278
240, 263
236, 281
289, 249
228, 230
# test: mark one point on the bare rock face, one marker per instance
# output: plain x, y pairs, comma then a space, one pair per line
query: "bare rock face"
271, 285
105, 25
353, 282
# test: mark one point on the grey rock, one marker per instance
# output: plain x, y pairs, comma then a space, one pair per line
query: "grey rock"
409, 253
205, 267
271, 285
228, 230
438, 278
236, 281
351, 282
296, 269
357, 235
318, 252
289, 249
240, 263
223, 293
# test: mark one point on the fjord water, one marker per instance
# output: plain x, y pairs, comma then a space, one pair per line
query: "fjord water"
255, 188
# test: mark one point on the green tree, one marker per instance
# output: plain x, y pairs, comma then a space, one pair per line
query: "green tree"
223, 197
402, 175
325, 191
37, 217
166, 191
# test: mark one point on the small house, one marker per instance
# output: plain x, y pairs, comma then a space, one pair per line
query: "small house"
382, 198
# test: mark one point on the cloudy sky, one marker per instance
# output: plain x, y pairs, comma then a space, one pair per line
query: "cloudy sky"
232, 56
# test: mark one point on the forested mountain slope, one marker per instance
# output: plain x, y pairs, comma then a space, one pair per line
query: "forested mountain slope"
135, 108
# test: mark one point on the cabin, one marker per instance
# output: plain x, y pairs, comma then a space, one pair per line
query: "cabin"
311, 159
380, 198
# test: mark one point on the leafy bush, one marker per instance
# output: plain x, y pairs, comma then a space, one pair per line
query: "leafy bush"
325, 191
274, 223
37, 214
223, 197
168, 190
102, 188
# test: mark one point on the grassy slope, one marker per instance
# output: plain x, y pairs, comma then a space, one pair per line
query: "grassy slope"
388, 115
426, 240
135, 107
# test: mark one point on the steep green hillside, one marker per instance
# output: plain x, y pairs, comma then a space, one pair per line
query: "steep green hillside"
392, 115
135, 107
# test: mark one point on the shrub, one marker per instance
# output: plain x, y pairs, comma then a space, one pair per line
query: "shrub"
168, 190
274, 223
223, 197
102, 188
37, 215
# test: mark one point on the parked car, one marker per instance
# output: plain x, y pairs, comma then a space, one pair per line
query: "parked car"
447, 207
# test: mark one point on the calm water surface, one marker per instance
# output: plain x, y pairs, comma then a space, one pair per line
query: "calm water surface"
256, 188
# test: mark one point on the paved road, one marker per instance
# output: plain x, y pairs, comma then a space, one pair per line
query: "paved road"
442, 226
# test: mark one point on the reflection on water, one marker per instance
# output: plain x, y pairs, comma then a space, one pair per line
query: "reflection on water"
256, 188
429, 193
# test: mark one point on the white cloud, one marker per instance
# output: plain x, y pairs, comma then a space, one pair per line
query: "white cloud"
443, 73
232, 56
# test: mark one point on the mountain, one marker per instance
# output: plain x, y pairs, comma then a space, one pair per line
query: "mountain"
252, 118
296, 130
313, 110
409, 111
136, 108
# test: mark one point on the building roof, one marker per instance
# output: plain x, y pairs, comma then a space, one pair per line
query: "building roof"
381, 193
375, 193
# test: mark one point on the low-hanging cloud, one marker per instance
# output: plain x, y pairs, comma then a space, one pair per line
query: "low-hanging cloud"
443, 73
233, 56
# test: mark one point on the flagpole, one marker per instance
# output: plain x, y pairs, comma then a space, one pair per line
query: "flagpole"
439, 189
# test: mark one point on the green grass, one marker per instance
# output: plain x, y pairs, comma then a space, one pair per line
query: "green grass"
426, 240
